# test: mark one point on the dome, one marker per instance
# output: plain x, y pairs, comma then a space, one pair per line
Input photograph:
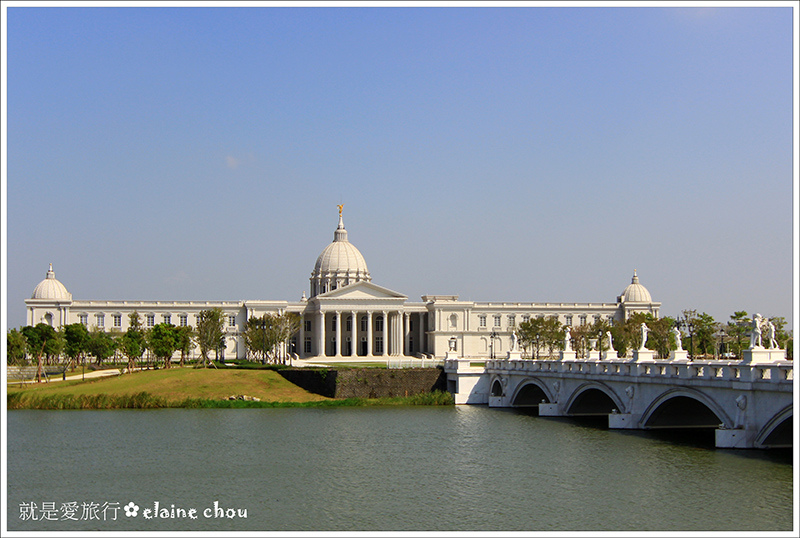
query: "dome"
51, 288
635, 292
339, 264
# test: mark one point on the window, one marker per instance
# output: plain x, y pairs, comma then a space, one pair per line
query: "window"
183, 320
512, 320
597, 318
568, 321
497, 321
379, 323
151, 320
334, 319
363, 324
101, 320
482, 320
84, 319
308, 329
349, 323
526, 317
167, 318
117, 320
583, 319
378, 344
232, 321
307, 345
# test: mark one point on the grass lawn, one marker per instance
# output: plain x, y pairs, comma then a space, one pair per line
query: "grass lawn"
179, 384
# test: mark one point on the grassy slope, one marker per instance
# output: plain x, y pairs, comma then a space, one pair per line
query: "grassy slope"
178, 384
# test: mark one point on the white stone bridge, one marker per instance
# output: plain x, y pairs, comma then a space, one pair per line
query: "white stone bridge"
749, 405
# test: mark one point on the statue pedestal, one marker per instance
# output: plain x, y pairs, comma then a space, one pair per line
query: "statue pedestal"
761, 355
643, 355
680, 355
594, 355
451, 355
514, 355
609, 355
567, 355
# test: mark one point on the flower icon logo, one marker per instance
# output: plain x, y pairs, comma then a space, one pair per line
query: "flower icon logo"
131, 510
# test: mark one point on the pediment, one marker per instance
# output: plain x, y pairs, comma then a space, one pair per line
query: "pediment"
360, 291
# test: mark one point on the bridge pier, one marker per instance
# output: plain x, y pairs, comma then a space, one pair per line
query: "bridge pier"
624, 421
549, 410
734, 438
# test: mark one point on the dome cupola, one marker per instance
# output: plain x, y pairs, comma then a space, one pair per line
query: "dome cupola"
50, 288
635, 292
339, 264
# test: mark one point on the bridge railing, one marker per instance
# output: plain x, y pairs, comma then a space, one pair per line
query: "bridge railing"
775, 372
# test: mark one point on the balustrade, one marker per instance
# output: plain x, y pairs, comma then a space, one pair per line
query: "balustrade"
706, 370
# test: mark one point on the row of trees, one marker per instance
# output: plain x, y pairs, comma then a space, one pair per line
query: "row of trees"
700, 335
264, 337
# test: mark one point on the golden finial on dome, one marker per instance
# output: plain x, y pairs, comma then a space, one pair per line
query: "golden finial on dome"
340, 206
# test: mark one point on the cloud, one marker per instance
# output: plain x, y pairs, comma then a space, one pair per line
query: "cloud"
232, 162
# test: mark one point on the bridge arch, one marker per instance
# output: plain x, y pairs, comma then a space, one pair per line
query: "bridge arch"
684, 408
593, 398
777, 433
496, 386
530, 392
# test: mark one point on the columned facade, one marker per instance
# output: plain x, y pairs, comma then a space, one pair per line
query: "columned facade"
346, 315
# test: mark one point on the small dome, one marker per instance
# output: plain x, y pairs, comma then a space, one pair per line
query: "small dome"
51, 288
635, 292
339, 264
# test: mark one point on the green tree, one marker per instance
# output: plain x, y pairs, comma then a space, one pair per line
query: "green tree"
210, 324
704, 329
76, 341
266, 336
16, 347
101, 344
162, 340
737, 329
133, 342
184, 340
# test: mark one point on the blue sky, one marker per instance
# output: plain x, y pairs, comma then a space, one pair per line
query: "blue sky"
503, 154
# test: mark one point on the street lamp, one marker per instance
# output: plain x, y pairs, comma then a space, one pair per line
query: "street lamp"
721, 335
491, 343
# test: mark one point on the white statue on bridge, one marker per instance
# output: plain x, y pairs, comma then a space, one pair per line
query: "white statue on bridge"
610, 342
567, 340
645, 330
773, 343
514, 341
677, 332
755, 332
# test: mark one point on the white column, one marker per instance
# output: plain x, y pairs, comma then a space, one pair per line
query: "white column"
338, 334
321, 329
301, 337
406, 334
369, 334
385, 332
353, 334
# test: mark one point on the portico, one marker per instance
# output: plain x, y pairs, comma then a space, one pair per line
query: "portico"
361, 320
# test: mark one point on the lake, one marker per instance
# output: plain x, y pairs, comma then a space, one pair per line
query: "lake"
420, 468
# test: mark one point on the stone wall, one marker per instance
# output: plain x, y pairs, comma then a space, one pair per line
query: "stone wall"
367, 382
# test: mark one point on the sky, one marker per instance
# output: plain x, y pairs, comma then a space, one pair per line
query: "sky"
522, 154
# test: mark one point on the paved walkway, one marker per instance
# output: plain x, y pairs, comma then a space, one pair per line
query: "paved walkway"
89, 374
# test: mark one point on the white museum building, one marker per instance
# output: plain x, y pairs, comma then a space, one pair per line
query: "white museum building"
346, 315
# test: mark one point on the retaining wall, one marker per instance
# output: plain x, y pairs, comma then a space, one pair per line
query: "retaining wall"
367, 382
